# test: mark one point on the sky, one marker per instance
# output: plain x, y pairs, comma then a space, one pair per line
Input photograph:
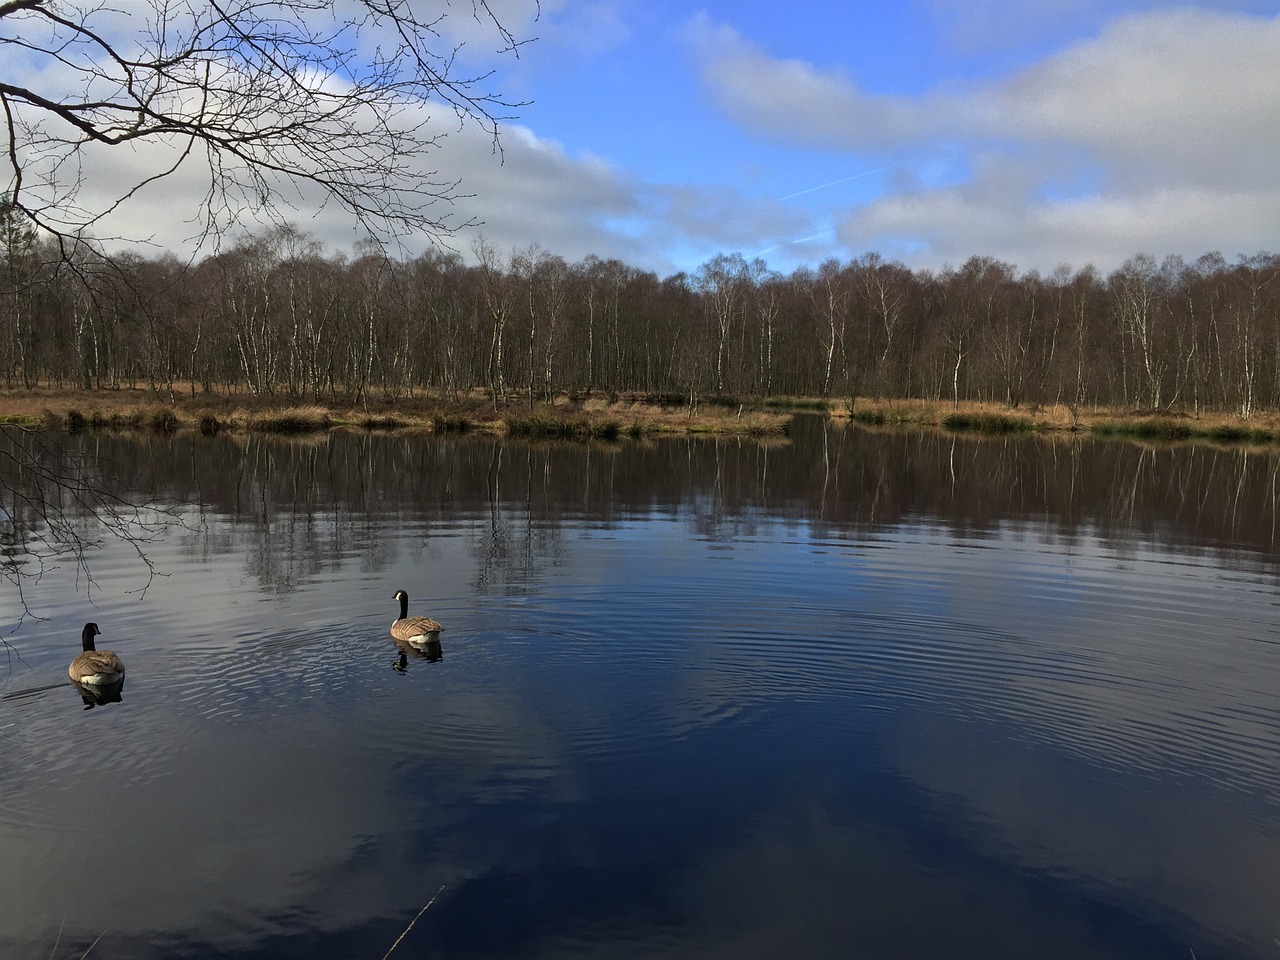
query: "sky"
1040, 132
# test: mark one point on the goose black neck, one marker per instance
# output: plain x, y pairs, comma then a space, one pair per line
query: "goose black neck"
86, 638
404, 606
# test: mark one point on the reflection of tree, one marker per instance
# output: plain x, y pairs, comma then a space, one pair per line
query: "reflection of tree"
296, 511
61, 503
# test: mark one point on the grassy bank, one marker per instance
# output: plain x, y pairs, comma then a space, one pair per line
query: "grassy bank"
597, 417
1167, 426
581, 418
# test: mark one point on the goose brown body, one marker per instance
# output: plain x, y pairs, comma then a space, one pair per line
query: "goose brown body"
413, 629
94, 665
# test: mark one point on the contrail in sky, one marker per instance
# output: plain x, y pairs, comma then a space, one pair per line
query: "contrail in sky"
788, 243
801, 193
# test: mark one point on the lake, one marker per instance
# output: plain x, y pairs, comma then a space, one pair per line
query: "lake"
855, 694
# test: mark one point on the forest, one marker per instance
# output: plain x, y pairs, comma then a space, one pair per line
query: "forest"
274, 314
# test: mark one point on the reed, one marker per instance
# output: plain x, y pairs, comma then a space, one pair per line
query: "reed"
75, 421
799, 404
450, 423
405, 933
385, 421
1171, 429
891, 415
986, 422
1226, 433
873, 418
543, 426
209, 425
1147, 428
164, 420
289, 420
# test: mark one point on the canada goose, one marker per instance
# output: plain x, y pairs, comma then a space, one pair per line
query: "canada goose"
414, 630
94, 665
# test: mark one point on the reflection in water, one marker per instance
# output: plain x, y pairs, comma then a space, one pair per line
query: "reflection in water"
99, 694
430, 651
299, 510
1016, 697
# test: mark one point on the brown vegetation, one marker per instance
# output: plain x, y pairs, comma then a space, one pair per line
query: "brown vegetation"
1061, 419
591, 418
598, 417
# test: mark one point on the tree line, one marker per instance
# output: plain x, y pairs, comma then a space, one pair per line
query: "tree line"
276, 315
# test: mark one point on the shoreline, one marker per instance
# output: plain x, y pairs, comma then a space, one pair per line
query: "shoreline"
598, 417
976, 417
569, 418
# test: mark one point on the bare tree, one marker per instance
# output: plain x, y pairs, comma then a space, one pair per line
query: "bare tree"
270, 102
831, 298
498, 294
722, 281
766, 297
1139, 311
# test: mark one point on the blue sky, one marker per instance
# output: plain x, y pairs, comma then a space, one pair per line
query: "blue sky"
1062, 131
1042, 132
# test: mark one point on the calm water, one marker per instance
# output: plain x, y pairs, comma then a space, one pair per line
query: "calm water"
881, 695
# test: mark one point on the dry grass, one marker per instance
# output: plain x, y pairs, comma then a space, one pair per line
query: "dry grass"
594, 417
308, 419
1160, 425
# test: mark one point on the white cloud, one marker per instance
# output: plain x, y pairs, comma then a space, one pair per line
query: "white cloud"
1161, 90
792, 101
1184, 96
1158, 134
585, 28
989, 25
538, 192
930, 227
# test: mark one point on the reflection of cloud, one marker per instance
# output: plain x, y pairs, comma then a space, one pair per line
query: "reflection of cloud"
1045, 639
278, 791
988, 708
1122, 836
1042, 703
811, 876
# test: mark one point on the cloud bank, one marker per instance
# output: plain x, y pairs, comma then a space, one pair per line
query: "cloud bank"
1157, 134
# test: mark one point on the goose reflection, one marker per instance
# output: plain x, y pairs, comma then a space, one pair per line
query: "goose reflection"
98, 694
430, 651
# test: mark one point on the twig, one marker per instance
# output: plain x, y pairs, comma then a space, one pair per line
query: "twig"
58, 939
411, 923
94, 944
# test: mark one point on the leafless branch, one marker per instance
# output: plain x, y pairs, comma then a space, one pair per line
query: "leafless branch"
332, 101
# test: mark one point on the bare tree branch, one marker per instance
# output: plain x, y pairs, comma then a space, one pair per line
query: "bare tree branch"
272, 102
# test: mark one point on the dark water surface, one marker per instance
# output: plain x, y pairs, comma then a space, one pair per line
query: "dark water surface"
882, 695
